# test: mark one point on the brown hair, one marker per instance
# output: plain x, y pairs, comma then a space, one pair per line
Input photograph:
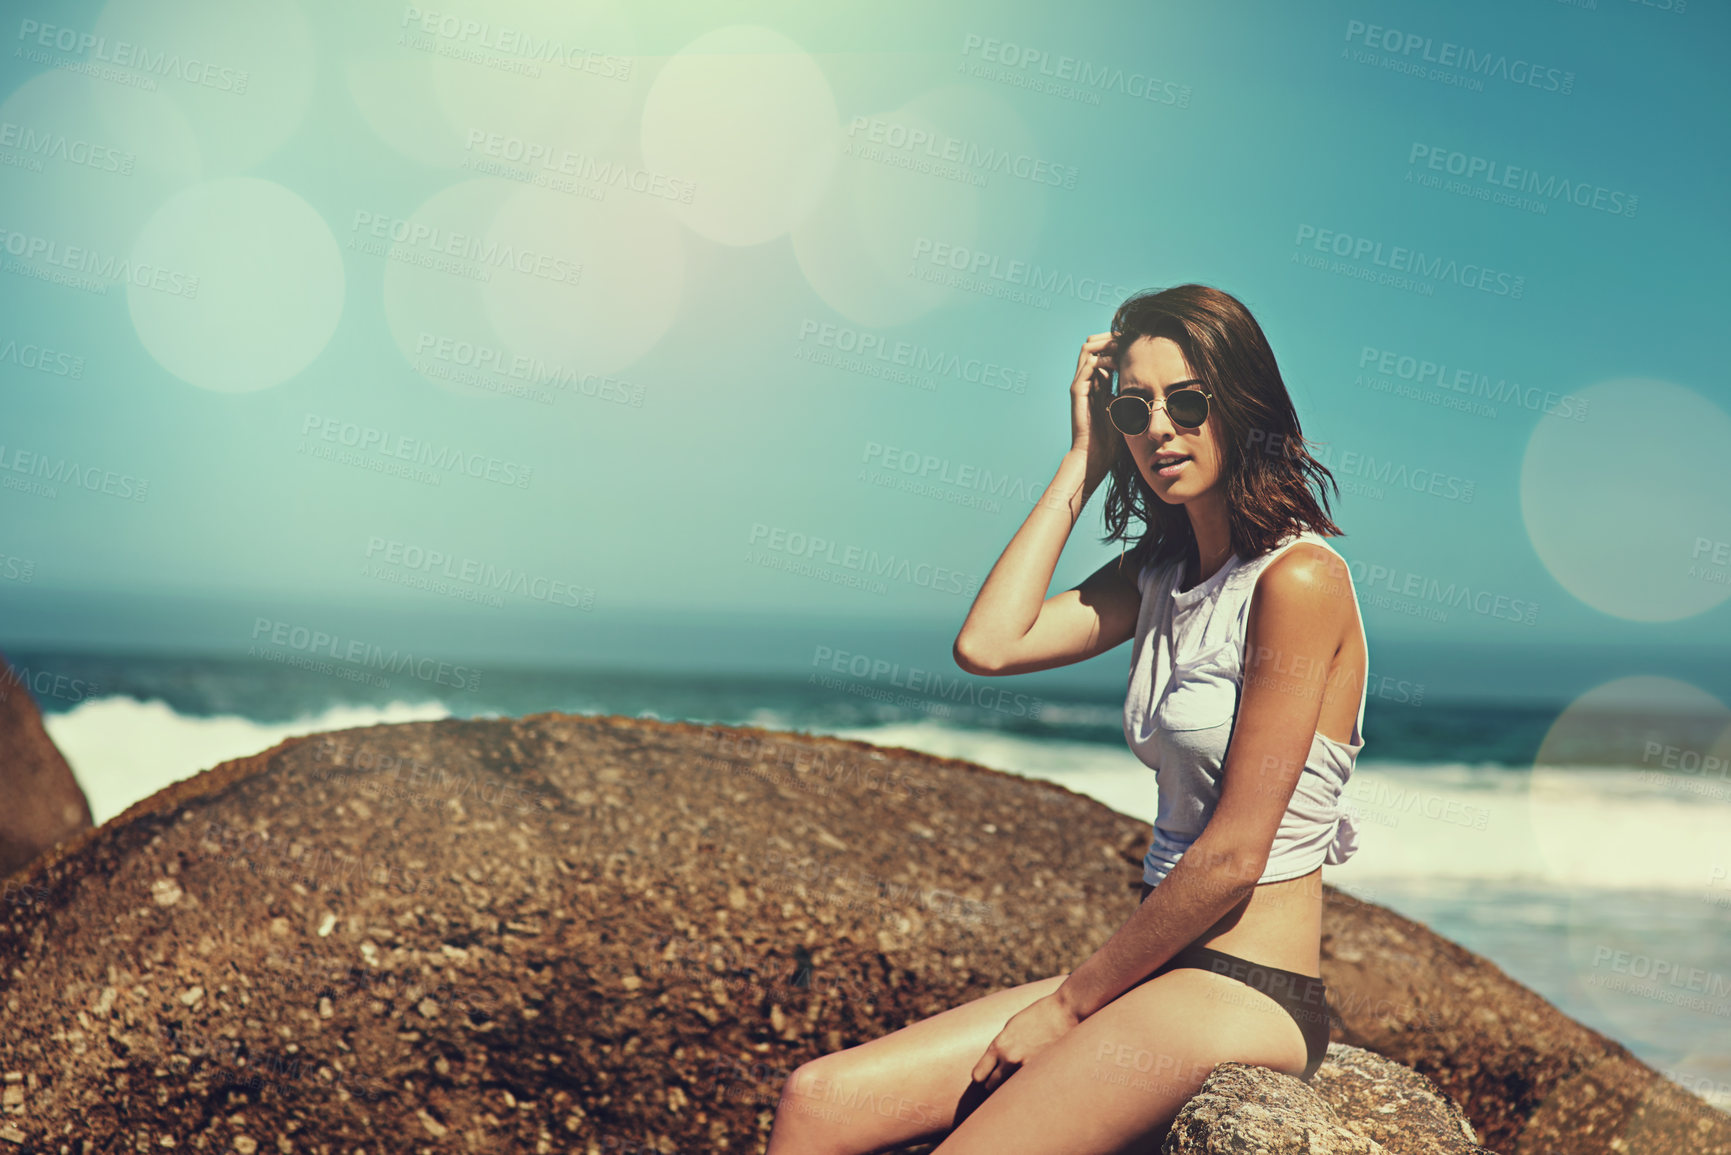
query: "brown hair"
1265, 466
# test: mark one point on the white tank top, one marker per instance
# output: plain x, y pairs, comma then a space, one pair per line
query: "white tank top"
1186, 671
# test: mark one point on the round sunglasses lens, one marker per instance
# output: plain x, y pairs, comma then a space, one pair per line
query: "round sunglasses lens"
1129, 414
1187, 407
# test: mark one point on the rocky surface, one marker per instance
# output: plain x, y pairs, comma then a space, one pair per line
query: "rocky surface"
562, 933
1358, 1103
43, 803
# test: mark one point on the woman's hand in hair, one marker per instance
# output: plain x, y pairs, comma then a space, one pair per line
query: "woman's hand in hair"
1091, 430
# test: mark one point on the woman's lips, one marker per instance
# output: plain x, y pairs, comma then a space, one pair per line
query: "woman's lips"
1172, 469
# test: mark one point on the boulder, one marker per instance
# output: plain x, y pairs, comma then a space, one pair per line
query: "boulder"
1358, 1103
43, 801
563, 933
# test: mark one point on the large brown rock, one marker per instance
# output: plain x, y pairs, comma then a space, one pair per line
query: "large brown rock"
562, 933
41, 803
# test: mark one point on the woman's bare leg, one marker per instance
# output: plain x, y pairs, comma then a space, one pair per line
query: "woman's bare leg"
911, 1084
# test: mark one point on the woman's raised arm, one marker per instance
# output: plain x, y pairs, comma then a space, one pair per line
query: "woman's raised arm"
1013, 627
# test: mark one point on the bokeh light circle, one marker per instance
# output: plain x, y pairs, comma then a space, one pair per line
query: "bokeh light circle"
269, 285
566, 80
856, 249
432, 288
557, 77
1630, 801
84, 180
888, 201
631, 262
747, 116
1627, 506
395, 99
238, 73
1628, 736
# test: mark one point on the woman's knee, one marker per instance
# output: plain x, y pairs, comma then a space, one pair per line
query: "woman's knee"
801, 1115
832, 1105
807, 1084
830, 1088
912, 1083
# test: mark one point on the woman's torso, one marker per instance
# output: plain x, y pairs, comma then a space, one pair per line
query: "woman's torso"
1280, 922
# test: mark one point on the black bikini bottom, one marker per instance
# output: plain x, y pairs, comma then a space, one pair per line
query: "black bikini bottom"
1304, 997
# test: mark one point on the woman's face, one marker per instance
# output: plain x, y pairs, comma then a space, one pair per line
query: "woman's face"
1179, 462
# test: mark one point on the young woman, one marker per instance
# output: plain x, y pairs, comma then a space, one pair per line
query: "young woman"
1246, 696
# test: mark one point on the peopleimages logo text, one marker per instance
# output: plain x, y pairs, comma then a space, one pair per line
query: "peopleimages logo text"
50, 145
1414, 261
45, 684
369, 439
1501, 175
41, 358
466, 246
420, 560
105, 267
1447, 54
932, 683
824, 551
579, 166
1085, 74
921, 358
942, 146
510, 40
1372, 577
124, 54
1440, 375
979, 263
65, 472
365, 654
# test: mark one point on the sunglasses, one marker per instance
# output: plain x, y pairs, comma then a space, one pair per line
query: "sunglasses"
1132, 413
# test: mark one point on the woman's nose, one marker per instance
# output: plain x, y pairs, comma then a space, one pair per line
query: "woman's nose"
1159, 426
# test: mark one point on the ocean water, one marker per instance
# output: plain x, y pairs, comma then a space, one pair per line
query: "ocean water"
1563, 851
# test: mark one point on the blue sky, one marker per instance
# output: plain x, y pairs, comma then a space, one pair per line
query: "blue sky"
730, 319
